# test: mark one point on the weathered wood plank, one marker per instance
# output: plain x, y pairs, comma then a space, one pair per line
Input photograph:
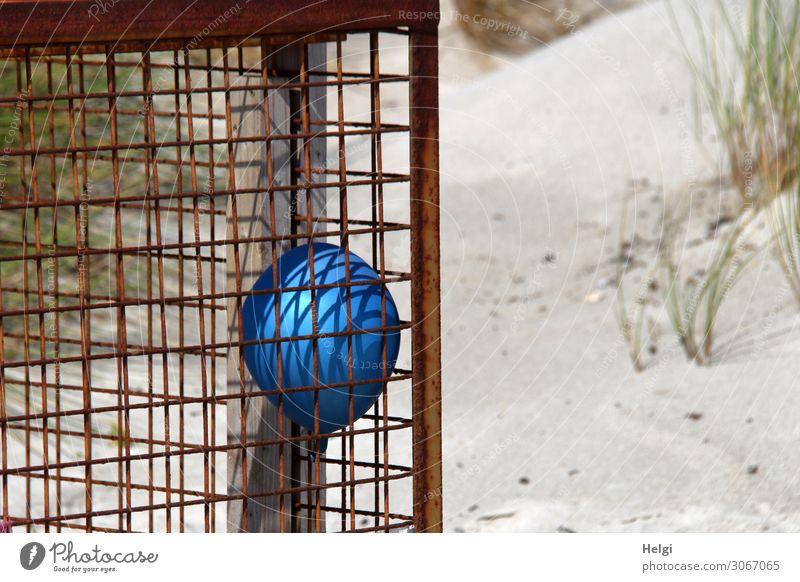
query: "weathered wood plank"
262, 471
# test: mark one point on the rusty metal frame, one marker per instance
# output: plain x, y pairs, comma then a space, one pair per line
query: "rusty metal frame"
58, 33
426, 285
74, 21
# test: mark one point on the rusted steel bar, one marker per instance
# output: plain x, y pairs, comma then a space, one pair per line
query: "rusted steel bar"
219, 399
52, 21
165, 348
425, 284
112, 302
39, 151
177, 91
101, 201
215, 499
307, 438
91, 48
173, 246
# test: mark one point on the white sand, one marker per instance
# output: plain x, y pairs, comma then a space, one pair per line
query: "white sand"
536, 159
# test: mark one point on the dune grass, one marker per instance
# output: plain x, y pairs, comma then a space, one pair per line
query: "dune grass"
692, 298
784, 220
746, 69
693, 302
630, 319
754, 102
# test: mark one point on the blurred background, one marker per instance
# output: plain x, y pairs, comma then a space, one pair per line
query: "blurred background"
620, 247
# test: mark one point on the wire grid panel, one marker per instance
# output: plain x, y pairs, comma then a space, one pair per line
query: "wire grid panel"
144, 188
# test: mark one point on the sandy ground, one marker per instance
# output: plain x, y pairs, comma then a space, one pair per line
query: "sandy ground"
546, 425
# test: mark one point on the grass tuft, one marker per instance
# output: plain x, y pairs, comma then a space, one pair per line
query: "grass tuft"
693, 302
747, 78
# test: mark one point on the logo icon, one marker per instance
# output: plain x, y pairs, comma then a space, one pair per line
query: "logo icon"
31, 555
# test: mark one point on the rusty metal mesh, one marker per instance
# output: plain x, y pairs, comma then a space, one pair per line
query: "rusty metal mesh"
128, 173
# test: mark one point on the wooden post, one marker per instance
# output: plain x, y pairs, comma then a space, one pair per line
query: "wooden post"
259, 470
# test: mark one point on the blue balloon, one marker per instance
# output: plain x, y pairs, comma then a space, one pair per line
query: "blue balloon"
297, 355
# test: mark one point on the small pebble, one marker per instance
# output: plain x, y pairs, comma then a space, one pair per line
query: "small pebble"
593, 297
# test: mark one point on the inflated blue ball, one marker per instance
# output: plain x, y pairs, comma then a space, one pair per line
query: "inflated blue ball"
297, 355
